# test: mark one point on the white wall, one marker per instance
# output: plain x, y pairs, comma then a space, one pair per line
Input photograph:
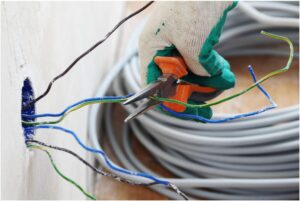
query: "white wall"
38, 41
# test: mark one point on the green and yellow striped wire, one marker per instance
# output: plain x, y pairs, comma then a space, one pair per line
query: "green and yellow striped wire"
276, 72
33, 123
88, 195
288, 65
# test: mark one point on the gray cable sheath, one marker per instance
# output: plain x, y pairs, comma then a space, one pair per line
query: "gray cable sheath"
250, 158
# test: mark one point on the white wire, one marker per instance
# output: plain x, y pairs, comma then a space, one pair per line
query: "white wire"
251, 158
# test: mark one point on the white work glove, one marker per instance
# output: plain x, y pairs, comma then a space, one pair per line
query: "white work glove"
192, 29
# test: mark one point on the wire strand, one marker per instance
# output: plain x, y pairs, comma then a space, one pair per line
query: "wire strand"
118, 99
70, 109
102, 153
74, 105
98, 171
61, 174
86, 53
103, 173
238, 116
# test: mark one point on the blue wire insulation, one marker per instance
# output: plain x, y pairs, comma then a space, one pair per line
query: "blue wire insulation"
170, 111
74, 105
202, 119
109, 163
259, 86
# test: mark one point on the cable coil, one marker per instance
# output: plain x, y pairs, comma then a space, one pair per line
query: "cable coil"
250, 158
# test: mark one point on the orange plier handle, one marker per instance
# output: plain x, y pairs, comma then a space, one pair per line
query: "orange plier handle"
177, 67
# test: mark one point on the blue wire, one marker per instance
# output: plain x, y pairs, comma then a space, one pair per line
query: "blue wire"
90, 149
170, 111
259, 86
74, 105
200, 118
181, 115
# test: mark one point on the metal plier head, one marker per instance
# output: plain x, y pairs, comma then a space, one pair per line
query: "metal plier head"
165, 86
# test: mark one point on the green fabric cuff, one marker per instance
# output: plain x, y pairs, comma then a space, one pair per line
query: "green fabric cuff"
214, 64
225, 79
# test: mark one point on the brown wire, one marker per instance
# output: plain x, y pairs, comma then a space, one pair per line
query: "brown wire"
101, 172
86, 53
98, 171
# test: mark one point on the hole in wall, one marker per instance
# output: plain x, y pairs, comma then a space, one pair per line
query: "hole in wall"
27, 96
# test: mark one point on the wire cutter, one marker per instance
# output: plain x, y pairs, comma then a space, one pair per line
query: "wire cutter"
169, 85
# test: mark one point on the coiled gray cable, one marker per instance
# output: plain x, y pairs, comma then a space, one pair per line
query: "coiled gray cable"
251, 158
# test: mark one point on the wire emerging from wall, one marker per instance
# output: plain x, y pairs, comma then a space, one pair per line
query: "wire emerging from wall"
98, 171
110, 163
119, 99
72, 108
88, 195
86, 53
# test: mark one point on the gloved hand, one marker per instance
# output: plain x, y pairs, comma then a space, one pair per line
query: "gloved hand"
190, 29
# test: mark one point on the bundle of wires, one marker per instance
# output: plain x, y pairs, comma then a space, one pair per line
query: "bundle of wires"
250, 158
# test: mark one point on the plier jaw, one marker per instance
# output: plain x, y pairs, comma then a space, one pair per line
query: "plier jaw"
165, 86
144, 107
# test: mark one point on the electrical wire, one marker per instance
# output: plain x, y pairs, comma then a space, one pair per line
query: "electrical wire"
72, 108
249, 158
108, 162
102, 153
86, 53
119, 99
60, 173
98, 171
79, 103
